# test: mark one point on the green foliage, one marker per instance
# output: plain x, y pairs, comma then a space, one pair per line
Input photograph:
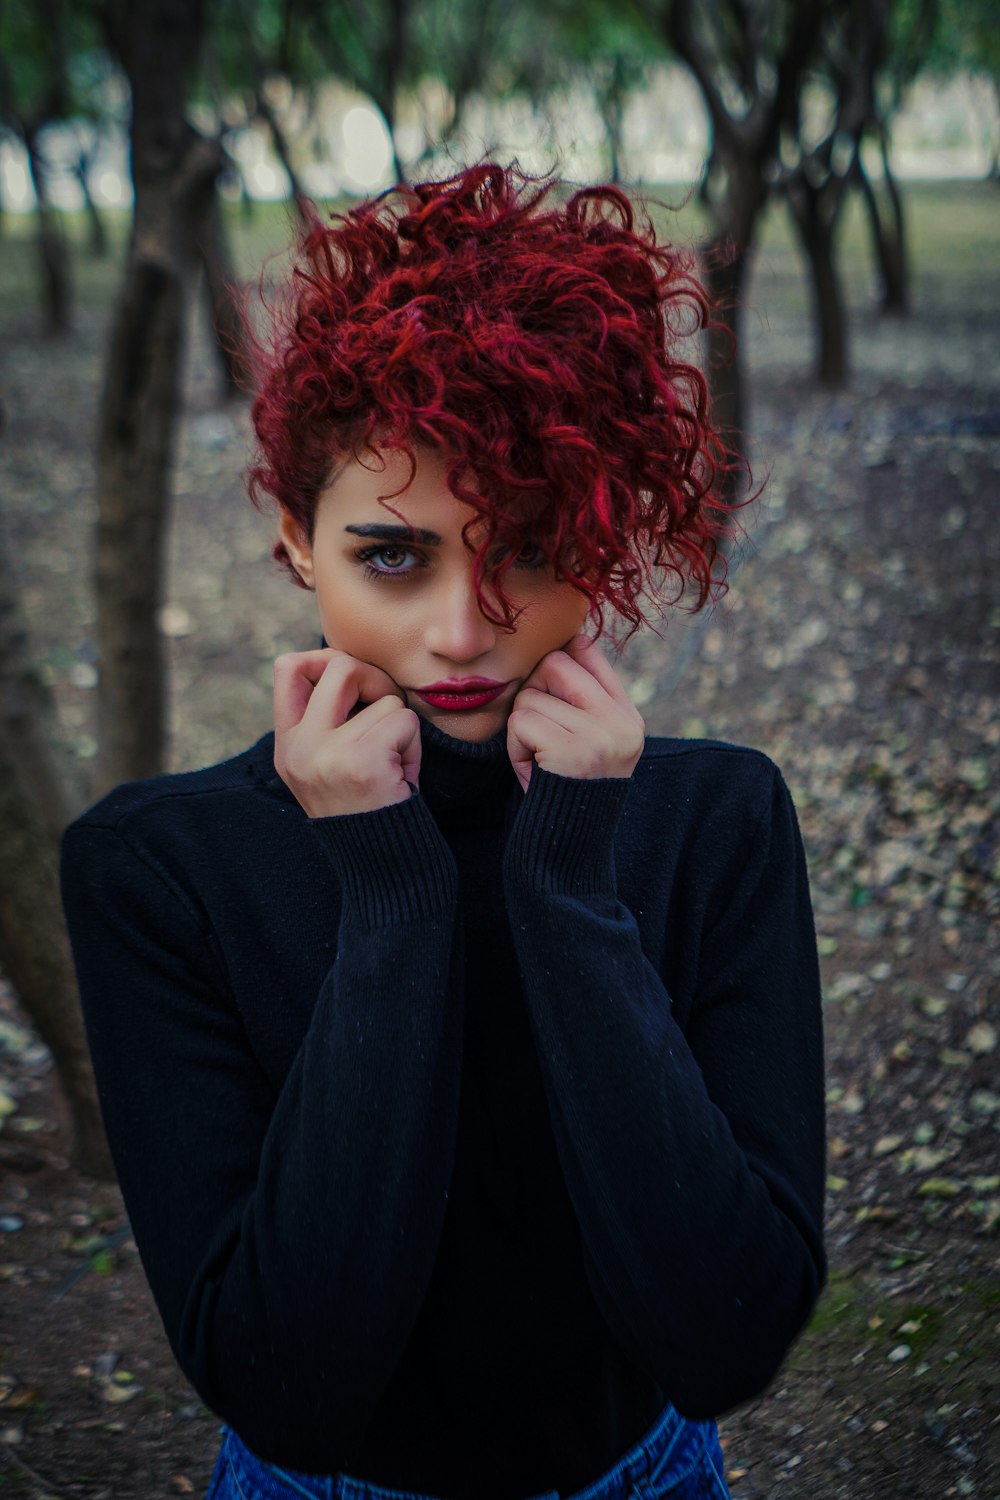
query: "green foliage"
943, 37
52, 63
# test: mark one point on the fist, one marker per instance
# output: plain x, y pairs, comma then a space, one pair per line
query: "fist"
574, 717
333, 759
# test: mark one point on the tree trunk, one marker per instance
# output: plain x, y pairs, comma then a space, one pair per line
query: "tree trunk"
612, 112
895, 267
36, 802
387, 107
53, 260
726, 267
815, 210
220, 285
98, 233
887, 243
393, 57
173, 170
135, 450
299, 197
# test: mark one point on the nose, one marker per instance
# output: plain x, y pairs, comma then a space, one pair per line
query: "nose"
457, 630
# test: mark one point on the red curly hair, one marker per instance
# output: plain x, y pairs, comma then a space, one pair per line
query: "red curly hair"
535, 345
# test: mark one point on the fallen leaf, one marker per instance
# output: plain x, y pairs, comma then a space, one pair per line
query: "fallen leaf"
116, 1395
24, 1395
981, 1038
939, 1187
933, 1005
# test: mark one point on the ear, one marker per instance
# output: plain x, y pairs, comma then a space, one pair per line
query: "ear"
297, 545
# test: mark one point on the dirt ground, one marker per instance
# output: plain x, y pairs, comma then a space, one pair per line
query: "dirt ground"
858, 646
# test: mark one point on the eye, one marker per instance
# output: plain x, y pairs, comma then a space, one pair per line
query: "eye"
388, 559
530, 556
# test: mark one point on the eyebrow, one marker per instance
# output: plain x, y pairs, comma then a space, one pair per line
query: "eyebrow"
385, 533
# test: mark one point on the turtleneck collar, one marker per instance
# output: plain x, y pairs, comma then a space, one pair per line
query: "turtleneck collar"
470, 781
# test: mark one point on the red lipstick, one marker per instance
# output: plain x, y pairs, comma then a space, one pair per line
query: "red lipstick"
462, 693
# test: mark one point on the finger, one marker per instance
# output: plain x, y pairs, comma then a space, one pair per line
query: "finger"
589, 654
550, 707
296, 674
323, 693
347, 681
368, 718
559, 674
537, 730
386, 727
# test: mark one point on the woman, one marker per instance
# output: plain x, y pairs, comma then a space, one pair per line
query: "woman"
459, 1047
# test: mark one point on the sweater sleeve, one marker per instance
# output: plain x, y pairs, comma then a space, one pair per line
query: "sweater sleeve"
694, 1159
288, 1238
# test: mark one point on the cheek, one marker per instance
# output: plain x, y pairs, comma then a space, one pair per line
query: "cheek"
348, 615
565, 617
357, 618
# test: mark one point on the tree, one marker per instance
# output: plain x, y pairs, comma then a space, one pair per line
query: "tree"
174, 172
965, 37
38, 795
174, 169
851, 50
749, 62
369, 46
610, 48
34, 92
465, 48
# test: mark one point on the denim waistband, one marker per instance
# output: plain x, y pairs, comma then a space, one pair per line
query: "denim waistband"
673, 1440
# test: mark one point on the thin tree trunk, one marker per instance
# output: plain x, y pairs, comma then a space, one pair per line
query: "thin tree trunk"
889, 250
611, 114
815, 211
726, 268
134, 454
174, 171
53, 260
98, 233
37, 799
220, 284
136, 431
386, 106
896, 272
393, 56
299, 196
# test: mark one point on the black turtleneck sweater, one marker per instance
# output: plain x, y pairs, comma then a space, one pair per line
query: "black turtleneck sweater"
460, 1136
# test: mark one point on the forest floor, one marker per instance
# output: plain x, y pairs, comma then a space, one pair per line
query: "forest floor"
859, 646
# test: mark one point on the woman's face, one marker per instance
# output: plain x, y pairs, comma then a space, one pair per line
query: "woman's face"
411, 608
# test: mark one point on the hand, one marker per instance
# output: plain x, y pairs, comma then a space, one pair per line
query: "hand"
574, 717
336, 761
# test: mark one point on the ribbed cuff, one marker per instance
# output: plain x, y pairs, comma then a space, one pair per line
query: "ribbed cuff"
393, 863
563, 836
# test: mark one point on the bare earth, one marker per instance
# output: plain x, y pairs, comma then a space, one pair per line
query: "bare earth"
858, 646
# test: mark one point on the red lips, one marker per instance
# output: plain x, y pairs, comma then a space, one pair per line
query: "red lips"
461, 693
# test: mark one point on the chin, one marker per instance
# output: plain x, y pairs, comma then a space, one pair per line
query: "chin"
469, 725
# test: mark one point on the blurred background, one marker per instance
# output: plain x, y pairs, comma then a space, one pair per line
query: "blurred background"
835, 165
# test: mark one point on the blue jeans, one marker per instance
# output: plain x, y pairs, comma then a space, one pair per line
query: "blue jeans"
677, 1458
